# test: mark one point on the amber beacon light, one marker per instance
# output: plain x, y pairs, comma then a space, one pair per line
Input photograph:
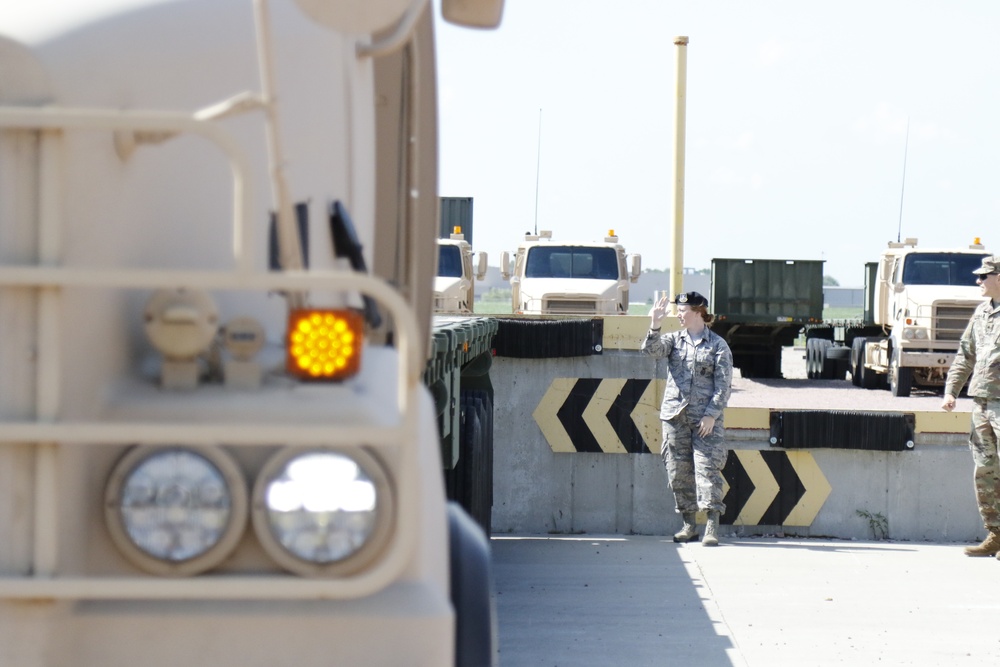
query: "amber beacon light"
324, 344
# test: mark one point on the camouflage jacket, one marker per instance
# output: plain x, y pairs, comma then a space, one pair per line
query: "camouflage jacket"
699, 375
978, 355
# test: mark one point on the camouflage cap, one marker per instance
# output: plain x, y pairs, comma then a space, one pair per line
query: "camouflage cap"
990, 265
691, 299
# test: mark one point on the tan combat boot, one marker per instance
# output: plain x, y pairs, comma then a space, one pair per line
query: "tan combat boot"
989, 547
711, 538
688, 533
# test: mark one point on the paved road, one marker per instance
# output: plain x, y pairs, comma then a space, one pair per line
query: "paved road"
796, 392
762, 602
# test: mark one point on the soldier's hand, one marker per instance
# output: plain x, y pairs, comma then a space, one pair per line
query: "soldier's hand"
658, 312
948, 403
706, 425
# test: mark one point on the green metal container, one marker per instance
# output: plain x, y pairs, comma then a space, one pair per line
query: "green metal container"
767, 290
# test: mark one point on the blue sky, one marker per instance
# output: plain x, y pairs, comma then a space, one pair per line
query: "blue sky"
797, 117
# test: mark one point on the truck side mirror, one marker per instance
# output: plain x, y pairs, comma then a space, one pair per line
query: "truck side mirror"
505, 265
358, 17
473, 13
480, 265
635, 262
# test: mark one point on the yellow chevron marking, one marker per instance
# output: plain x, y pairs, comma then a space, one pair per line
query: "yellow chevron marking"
765, 488
546, 415
816, 485
595, 416
646, 415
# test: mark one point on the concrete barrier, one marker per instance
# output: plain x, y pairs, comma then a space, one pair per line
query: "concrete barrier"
540, 486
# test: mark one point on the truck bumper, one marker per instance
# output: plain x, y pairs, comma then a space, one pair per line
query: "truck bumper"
926, 359
408, 623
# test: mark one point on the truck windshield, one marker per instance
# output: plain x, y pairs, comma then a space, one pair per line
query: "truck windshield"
449, 261
571, 262
941, 268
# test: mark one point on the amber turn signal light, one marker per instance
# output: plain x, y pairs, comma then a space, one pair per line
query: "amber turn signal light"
324, 344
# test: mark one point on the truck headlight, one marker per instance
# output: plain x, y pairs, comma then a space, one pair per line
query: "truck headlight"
323, 512
915, 333
174, 510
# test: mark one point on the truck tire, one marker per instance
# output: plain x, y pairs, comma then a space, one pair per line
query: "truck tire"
821, 346
869, 378
857, 360
814, 357
767, 366
900, 378
835, 361
471, 591
810, 366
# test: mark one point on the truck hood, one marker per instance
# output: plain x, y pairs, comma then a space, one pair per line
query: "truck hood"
926, 294
443, 284
569, 288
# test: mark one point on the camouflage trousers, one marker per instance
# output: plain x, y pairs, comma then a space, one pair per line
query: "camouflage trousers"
983, 443
694, 464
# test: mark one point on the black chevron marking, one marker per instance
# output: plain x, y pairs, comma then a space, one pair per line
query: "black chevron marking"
740, 488
571, 415
620, 415
790, 488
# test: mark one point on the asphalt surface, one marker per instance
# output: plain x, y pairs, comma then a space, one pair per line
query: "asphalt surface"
761, 602
575, 601
797, 392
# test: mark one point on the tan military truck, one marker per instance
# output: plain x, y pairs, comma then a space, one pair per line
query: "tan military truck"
211, 454
570, 278
458, 269
918, 301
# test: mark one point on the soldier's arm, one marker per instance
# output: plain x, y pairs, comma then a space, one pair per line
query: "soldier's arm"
657, 344
964, 362
723, 381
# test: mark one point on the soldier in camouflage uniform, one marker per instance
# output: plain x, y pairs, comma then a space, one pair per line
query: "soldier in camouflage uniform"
698, 383
979, 356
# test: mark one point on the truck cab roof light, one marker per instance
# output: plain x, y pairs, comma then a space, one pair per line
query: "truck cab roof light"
324, 344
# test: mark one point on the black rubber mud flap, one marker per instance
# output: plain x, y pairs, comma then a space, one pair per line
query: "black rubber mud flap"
547, 339
471, 591
845, 429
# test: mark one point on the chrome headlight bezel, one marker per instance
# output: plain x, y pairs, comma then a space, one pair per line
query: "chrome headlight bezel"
362, 557
235, 486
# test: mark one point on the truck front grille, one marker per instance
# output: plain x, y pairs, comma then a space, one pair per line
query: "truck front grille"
950, 319
570, 306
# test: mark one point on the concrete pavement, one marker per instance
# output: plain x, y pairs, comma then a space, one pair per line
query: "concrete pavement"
758, 601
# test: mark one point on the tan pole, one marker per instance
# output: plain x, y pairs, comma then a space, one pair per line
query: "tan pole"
680, 118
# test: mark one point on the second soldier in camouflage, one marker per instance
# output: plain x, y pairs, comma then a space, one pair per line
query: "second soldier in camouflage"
979, 356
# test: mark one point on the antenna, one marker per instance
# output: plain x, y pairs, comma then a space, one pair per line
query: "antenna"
902, 188
538, 165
